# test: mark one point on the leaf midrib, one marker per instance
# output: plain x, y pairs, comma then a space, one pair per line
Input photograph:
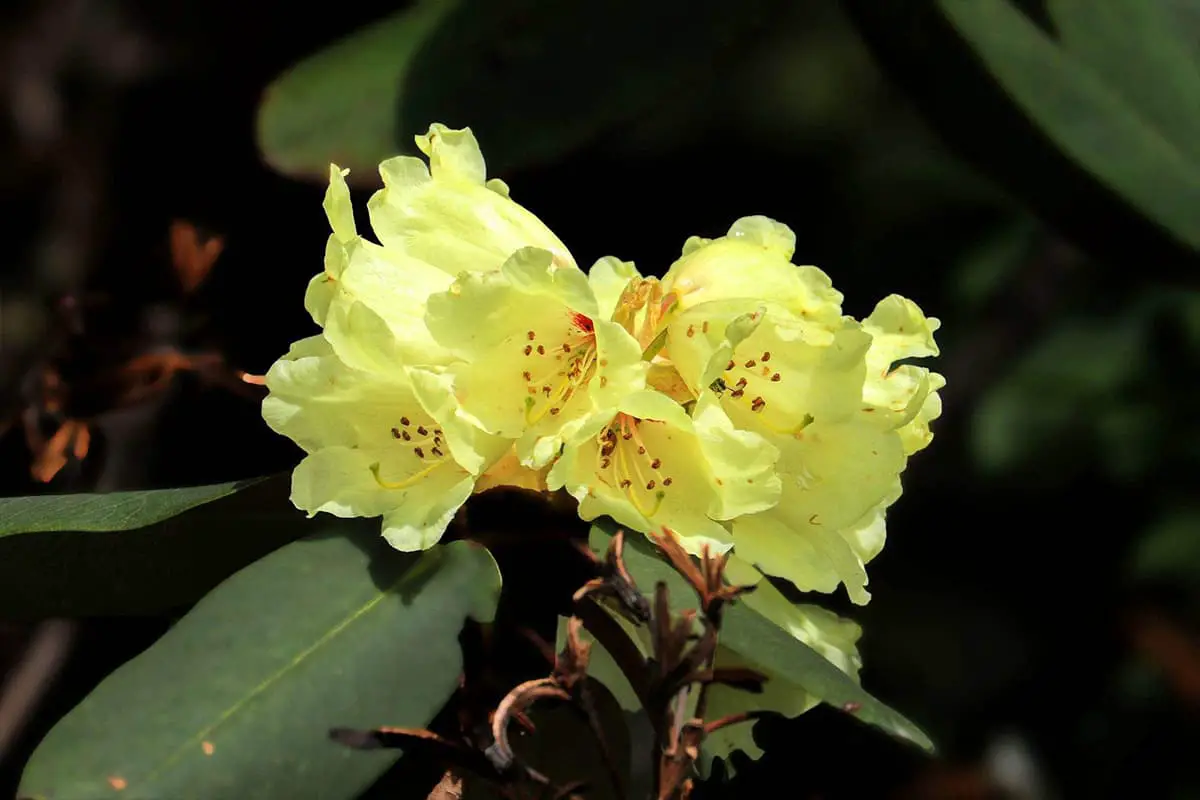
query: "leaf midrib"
422, 566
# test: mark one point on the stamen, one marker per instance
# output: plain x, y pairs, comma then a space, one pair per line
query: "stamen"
412, 480
558, 385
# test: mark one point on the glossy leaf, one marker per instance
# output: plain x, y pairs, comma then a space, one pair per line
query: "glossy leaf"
237, 699
148, 570
117, 511
766, 644
532, 78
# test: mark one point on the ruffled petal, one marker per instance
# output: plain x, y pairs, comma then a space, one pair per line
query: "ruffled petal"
608, 278
451, 218
752, 262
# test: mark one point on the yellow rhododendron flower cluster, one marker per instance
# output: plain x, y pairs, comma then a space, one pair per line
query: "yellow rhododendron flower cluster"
731, 401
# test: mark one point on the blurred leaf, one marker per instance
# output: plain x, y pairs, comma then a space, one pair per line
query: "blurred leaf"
1119, 94
237, 699
1074, 384
1037, 120
339, 105
766, 644
1170, 549
117, 511
532, 78
1144, 56
1187, 308
152, 569
983, 272
1184, 16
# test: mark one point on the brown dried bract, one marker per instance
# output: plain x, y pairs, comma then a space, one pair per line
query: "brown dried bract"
707, 578
615, 581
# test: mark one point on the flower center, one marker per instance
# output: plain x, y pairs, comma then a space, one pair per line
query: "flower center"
556, 366
641, 310
624, 462
427, 444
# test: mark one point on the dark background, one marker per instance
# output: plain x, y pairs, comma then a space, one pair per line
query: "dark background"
1035, 609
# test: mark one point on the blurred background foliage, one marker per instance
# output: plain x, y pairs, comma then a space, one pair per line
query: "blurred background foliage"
1029, 173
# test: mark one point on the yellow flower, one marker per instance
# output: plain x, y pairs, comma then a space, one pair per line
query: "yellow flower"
448, 214
433, 222
647, 464
371, 399
752, 263
390, 445
535, 358
509, 471
370, 300
767, 339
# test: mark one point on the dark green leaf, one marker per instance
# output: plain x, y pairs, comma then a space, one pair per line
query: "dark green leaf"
1102, 96
118, 511
1081, 363
149, 570
237, 699
1039, 122
340, 105
1169, 551
1143, 55
532, 78
773, 649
